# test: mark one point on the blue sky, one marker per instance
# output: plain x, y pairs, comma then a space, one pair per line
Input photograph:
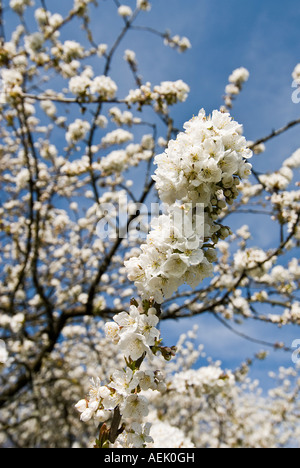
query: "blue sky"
262, 36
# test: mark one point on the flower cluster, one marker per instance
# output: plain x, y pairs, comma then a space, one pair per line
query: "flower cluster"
162, 96
134, 332
293, 162
77, 131
34, 43
286, 208
281, 179
123, 118
130, 58
180, 43
253, 259
81, 4
116, 137
119, 160
235, 85
104, 86
19, 5
171, 92
83, 85
204, 162
124, 11
202, 167
165, 435
47, 22
11, 81
210, 380
173, 254
231, 410
136, 335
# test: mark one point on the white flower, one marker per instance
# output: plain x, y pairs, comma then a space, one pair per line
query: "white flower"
182, 43
134, 345
103, 392
11, 77
94, 389
102, 416
81, 4
175, 266
128, 323
87, 409
244, 170
232, 89
121, 118
116, 137
143, 5
49, 108
172, 91
135, 407
104, 86
83, 298
239, 76
166, 436
139, 435
147, 328
100, 398
146, 380
17, 322
124, 10
22, 178
55, 20
79, 85
293, 161
160, 288
20, 5
87, 415
254, 259
101, 121
69, 70
77, 131
86, 412
142, 95
81, 406
236, 81
112, 331
111, 401
34, 42
210, 171
72, 50
129, 56
124, 382
277, 180
114, 162
102, 48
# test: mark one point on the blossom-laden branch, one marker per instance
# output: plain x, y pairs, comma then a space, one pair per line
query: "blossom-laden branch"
121, 400
203, 166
